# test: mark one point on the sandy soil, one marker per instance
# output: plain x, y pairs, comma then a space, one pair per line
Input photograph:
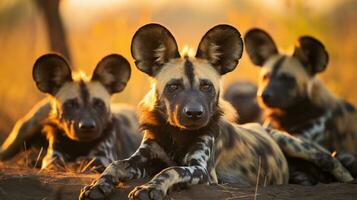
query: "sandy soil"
30, 184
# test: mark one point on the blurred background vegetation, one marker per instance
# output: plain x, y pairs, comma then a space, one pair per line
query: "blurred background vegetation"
87, 30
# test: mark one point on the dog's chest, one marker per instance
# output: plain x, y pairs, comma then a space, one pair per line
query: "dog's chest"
177, 144
72, 149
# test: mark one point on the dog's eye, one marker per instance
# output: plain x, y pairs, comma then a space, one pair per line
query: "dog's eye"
71, 104
205, 87
99, 104
173, 87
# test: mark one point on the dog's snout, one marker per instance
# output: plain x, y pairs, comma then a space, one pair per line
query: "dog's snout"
87, 125
194, 112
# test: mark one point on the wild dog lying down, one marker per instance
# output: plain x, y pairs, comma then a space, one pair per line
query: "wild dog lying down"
294, 100
243, 97
188, 135
79, 122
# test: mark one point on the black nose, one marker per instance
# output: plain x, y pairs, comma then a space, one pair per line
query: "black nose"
266, 96
87, 125
194, 112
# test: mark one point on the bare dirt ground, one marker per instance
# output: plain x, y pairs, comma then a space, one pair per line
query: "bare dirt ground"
30, 184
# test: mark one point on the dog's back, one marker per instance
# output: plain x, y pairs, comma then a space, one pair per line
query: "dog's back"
248, 151
342, 128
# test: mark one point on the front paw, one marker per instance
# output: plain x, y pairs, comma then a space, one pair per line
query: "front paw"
97, 190
147, 192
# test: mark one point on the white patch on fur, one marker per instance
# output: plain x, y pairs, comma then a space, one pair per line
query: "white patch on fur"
213, 52
71, 90
159, 54
97, 90
316, 132
204, 70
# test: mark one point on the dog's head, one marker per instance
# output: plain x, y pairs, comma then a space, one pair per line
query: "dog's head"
186, 89
284, 79
81, 106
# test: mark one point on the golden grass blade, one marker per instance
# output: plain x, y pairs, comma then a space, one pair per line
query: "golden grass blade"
257, 185
26, 154
89, 163
38, 157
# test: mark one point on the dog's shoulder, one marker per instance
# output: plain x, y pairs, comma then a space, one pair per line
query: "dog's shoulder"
126, 120
125, 114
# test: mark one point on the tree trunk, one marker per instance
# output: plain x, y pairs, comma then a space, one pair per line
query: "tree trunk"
55, 28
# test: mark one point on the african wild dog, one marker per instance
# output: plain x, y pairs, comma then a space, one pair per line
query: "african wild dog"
242, 96
189, 137
294, 100
79, 121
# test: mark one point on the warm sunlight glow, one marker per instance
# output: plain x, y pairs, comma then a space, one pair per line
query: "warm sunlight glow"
275, 4
333, 154
80, 75
83, 13
316, 5
187, 51
150, 97
93, 3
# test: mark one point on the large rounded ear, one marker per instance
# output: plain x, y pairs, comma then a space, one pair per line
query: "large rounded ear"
113, 71
259, 46
222, 46
312, 54
152, 46
50, 72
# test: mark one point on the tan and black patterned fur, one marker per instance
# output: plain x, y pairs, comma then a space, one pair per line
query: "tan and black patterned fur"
78, 121
189, 132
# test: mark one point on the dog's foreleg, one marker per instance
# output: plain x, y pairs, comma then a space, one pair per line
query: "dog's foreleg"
310, 151
139, 165
195, 171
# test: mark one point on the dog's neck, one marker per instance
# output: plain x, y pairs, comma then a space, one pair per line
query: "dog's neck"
295, 116
174, 140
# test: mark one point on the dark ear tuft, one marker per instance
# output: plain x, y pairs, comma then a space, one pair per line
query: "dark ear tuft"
113, 71
312, 54
50, 72
222, 46
259, 46
152, 46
